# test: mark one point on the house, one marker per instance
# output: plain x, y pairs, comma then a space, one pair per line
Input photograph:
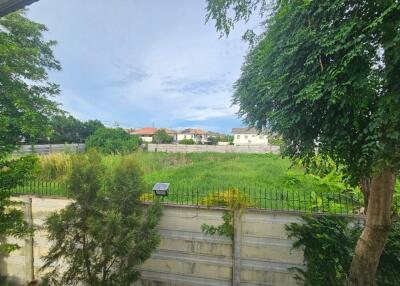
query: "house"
249, 136
197, 135
147, 133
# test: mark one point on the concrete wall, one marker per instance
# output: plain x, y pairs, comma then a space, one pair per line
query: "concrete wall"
178, 148
186, 256
50, 148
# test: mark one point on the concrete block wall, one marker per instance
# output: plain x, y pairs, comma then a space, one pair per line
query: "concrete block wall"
180, 148
185, 255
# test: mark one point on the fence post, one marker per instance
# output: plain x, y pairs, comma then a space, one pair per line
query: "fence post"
29, 259
237, 243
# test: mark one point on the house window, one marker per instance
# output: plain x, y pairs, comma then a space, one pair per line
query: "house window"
253, 135
261, 137
238, 136
245, 137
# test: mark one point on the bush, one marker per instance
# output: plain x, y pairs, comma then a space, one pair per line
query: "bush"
113, 141
107, 226
187, 142
231, 198
328, 243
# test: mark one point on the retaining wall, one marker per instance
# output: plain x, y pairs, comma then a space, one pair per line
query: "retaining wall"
185, 255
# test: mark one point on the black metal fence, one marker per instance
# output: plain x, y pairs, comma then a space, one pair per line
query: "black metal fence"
260, 197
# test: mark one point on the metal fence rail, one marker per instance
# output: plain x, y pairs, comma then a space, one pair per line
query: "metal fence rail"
259, 197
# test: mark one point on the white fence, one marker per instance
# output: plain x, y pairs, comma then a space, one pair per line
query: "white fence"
180, 148
50, 148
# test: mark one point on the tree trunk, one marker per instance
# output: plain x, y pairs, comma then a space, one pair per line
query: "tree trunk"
366, 190
372, 240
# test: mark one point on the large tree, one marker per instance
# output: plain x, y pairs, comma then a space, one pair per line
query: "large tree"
25, 105
325, 75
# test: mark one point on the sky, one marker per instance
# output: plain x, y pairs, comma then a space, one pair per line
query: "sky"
137, 63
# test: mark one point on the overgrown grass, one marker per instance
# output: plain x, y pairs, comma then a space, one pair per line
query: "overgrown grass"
269, 181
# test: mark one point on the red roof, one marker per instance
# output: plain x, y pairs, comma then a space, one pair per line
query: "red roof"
150, 131
144, 131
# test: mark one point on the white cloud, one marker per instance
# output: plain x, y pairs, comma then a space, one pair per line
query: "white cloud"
142, 61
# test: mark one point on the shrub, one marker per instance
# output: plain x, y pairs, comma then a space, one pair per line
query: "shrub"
328, 243
113, 141
231, 198
187, 142
105, 233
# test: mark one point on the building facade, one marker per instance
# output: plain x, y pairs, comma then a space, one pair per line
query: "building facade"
249, 136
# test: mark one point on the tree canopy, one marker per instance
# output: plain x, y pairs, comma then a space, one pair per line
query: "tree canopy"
113, 141
25, 107
325, 76
25, 93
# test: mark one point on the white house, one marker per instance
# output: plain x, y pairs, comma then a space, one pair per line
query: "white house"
249, 136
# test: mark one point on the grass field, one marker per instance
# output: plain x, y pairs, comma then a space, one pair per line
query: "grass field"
266, 181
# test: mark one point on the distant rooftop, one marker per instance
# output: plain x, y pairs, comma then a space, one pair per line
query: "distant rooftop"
149, 131
248, 130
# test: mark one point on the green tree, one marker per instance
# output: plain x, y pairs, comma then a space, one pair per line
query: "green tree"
324, 75
105, 233
67, 129
113, 141
90, 126
161, 137
25, 58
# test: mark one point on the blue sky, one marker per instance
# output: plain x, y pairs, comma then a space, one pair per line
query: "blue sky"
143, 63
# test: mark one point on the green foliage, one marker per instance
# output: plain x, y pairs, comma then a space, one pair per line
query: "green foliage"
324, 74
328, 243
67, 129
187, 142
25, 59
162, 137
224, 229
25, 90
113, 141
106, 232
13, 172
215, 139
234, 200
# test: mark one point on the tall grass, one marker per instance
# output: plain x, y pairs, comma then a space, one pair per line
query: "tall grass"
54, 166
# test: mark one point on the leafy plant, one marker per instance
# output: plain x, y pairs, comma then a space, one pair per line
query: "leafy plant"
328, 243
235, 201
105, 233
